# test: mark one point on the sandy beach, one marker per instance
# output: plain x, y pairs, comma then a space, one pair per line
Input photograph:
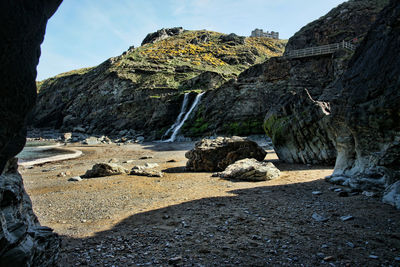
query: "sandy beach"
193, 219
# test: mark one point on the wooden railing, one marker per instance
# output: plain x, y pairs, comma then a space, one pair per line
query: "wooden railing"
319, 50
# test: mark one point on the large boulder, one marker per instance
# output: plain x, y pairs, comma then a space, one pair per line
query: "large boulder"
104, 169
23, 242
250, 170
366, 112
216, 154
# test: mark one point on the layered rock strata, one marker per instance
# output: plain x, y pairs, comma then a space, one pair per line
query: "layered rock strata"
23, 241
365, 115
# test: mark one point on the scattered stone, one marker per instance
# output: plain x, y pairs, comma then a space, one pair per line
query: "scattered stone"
329, 258
171, 160
146, 157
338, 190
61, 174
319, 218
373, 257
391, 195
75, 179
250, 170
139, 139
113, 160
91, 141
397, 259
317, 193
175, 260
350, 244
128, 161
368, 194
215, 155
151, 165
346, 218
343, 194
105, 169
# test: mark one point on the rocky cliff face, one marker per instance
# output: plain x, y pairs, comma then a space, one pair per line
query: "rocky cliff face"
350, 20
365, 116
142, 90
23, 241
239, 107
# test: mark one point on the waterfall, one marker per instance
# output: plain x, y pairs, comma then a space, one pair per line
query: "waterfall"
178, 126
179, 118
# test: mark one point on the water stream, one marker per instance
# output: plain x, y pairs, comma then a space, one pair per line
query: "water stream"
179, 121
179, 118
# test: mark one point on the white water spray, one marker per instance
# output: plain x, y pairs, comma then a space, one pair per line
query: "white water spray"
180, 124
179, 118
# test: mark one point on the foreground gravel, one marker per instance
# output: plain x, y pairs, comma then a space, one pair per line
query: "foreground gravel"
193, 219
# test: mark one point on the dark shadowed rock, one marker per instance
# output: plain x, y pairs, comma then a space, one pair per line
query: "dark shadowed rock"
366, 112
250, 170
239, 106
161, 35
23, 242
350, 20
104, 169
296, 126
215, 155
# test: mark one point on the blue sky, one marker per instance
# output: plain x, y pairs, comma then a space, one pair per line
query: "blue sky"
84, 33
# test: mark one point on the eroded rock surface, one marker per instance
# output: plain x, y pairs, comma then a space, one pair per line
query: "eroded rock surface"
215, 155
23, 242
366, 113
297, 127
250, 170
239, 106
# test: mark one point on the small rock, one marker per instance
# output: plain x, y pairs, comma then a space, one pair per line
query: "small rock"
319, 218
350, 244
343, 194
397, 259
151, 165
175, 260
61, 174
346, 218
128, 161
75, 179
373, 257
337, 190
113, 160
317, 193
146, 157
171, 160
329, 258
368, 194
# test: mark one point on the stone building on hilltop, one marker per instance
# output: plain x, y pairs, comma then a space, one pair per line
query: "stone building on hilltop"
261, 33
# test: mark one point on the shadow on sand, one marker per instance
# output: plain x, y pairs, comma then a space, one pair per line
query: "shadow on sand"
268, 225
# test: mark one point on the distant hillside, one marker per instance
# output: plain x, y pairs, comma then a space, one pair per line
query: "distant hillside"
141, 90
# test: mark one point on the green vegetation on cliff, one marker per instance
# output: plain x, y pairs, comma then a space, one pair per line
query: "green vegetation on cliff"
142, 89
